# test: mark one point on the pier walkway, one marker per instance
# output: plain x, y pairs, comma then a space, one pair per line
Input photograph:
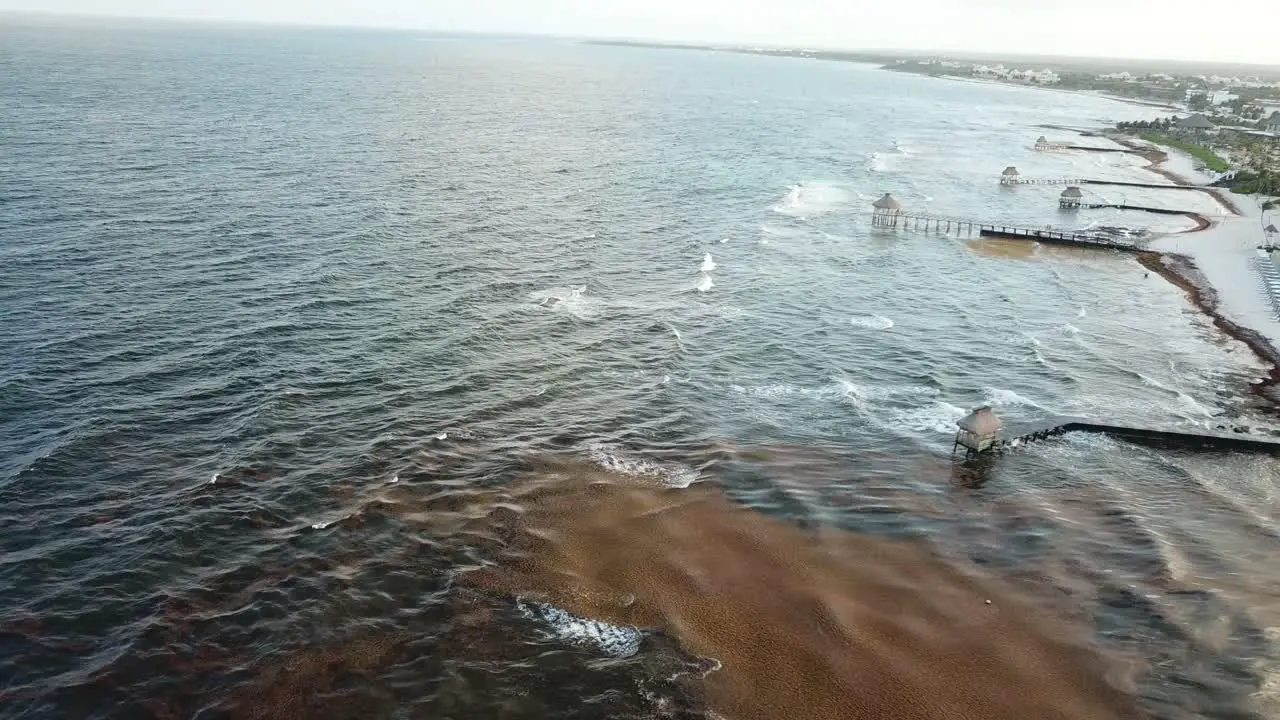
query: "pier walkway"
942, 224
1089, 181
1192, 440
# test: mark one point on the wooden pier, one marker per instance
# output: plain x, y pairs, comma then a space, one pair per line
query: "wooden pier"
981, 433
942, 224
1087, 181
1192, 440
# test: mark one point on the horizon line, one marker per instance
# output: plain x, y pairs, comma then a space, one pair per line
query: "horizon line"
675, 44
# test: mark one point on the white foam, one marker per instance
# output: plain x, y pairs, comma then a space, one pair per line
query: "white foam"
620, 641
1193, 406
705, 283
442, 436
617, 460
879, 162
570, 300
810, 199
724, 240
1082, 312
937, 417
871, 322
1069, 329
708, 264
1000, 397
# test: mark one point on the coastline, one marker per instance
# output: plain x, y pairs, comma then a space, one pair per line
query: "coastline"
1182, 270
1003, 83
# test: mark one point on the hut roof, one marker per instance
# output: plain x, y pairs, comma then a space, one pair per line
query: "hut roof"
1072, 192
1010, 171
1195, 122
1276, 116
1271, 229
887, 203
980, 422
1042, 139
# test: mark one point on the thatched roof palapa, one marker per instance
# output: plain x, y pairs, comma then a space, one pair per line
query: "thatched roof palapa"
1010, 171
981, 422
888, 202
1072, 192
1195, 122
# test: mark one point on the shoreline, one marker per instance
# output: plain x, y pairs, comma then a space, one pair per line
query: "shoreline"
1181, 271
1033, 86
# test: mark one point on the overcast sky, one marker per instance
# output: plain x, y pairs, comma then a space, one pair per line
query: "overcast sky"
1224, 30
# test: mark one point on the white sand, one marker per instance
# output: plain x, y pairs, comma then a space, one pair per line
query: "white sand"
1224, 253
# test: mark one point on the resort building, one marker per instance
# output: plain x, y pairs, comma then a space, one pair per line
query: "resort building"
1198, 124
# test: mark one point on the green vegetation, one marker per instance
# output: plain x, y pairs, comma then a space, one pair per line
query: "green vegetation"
1195, 150
1249, 182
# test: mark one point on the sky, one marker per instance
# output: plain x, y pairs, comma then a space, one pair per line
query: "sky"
1224, 30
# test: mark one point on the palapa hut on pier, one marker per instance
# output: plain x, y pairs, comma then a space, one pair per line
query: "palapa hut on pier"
1070, 198
1044, 144
1010, 176
979, 430
887, 211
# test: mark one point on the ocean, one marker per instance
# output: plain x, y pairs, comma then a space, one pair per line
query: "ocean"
299, 325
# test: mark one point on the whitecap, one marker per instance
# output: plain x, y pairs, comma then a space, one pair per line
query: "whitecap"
619, 641
871, 322
879, 163
571, 300
724, 240
618, 461
708, 264
705, 283
938, 417
810, 199
1082, 312
442, 436
1069, 329
1000, 397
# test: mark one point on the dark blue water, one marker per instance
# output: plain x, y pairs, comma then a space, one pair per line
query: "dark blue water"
250, 278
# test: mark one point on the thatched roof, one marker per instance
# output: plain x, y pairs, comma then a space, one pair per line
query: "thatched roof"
1195, 122
1271, 230
1072, 192
1042, 140
1010, 171
980, 422
887, 203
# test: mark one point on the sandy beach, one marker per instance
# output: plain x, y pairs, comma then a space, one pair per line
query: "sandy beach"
1215, 265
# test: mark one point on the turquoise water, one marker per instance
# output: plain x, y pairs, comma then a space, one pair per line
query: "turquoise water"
248, 274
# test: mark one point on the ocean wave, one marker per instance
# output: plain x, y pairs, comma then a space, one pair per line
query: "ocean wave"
620, 462
938, 417
569, 300
871, 322
1000, 397
807, 200
705, 283
619, 641
708, 264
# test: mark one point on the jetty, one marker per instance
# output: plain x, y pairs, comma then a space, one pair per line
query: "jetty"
1012, 177
1043, 144
889, 213
981, 432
